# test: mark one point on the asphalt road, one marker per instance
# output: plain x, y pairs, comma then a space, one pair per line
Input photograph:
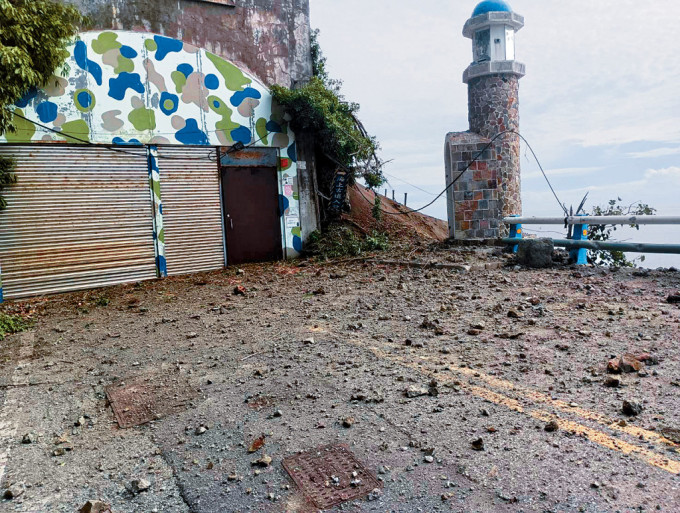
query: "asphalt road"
514, 357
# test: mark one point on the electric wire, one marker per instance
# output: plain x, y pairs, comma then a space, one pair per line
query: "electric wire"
212, 156
475, 159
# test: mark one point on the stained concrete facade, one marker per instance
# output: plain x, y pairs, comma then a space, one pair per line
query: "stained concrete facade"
267, 38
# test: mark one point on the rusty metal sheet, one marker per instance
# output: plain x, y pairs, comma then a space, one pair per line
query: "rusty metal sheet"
143, 399
250, 157
192, 209
330, 475
79, 217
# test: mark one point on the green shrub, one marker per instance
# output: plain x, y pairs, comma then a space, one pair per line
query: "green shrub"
10, 324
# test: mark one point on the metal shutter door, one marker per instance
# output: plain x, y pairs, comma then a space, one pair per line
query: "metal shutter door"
192, 209
79, 217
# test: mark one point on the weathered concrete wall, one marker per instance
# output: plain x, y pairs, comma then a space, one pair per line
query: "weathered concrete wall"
268, 38
494, 108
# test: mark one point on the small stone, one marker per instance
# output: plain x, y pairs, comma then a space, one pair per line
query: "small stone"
478, 445
429, 459
264, 461
595, 484
200, 430
612, 382
29, 438
139, 485
552, 426
14, 491
348, 422
81, 421
514, 314
632, 407
308, 341
277, 413
415, 391
192, 335
95, 507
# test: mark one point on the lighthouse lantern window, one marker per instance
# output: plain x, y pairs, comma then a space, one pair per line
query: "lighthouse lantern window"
482, 51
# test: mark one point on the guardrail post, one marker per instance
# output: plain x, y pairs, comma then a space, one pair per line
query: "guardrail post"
515, 233
580, 256
1, 296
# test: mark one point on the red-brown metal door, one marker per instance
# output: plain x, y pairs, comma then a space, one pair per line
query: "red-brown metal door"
251, 214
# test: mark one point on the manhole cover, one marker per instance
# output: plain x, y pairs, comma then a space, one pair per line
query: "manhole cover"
330, 475
141, 400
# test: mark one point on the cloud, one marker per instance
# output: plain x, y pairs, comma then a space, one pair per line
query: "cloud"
655, 153
667, 175
565, 171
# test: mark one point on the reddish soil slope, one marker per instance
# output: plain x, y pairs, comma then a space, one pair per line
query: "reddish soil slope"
408, 225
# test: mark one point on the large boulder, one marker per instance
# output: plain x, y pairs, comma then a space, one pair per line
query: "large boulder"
536, 253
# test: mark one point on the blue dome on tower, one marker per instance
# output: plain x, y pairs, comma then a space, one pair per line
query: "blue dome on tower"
491, 6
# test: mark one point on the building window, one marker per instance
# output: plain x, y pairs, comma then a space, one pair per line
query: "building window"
482, 45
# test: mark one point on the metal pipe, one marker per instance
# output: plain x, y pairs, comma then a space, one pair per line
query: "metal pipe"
594, 220
626, 247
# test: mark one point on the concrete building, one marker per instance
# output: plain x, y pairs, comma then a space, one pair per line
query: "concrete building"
487, 188
157, 150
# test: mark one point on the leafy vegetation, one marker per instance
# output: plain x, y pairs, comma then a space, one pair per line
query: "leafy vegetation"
604, 232
341, 142
12, 324
339, 241
34, 35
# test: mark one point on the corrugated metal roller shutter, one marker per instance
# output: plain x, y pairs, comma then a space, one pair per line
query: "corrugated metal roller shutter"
79, 217
192, 210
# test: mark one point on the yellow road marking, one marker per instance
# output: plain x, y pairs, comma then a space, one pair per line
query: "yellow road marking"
595, 436
539, 397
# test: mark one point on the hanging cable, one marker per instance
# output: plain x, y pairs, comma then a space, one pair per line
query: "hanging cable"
475, 159
212, 156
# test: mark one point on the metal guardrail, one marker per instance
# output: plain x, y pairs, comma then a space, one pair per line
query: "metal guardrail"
579, 243
575, 220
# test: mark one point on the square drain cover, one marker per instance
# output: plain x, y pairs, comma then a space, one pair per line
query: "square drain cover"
140, 400
330, 475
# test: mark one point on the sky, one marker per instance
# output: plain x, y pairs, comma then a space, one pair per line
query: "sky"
600, 103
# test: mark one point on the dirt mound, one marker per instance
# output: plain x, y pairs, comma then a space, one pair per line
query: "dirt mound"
407, 225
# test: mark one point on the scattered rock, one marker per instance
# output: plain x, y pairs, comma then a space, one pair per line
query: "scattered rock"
478, 445
612, 382
673, 299
628, 363
308, 341
514, 314
428, 459
348, 422
415, 391
264, 461
240, 291
632, 407
95, 507
200, 430
257, 444
536, 253
29, 438
139, 485
552, 426
14, 490
673, 434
